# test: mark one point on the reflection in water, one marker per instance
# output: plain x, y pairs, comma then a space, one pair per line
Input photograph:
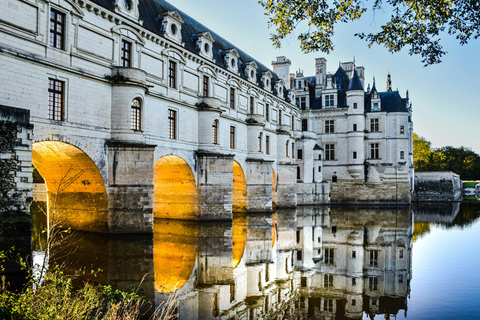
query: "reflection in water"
308, 263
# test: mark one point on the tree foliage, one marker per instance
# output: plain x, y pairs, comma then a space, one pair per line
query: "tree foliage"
462, 161
417, 25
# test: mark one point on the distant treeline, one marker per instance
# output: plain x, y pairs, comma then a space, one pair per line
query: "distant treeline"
462, 161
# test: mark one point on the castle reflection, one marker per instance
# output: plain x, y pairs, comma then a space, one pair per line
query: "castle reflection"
304, 263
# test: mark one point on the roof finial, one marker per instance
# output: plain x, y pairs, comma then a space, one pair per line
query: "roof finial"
389, 82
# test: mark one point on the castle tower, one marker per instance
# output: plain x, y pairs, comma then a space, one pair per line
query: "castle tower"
320, 76
282, 68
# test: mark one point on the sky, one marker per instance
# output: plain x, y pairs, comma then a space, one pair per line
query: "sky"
444, 99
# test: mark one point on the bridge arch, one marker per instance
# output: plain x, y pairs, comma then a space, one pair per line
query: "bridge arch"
175, 194
239, 189
77, 197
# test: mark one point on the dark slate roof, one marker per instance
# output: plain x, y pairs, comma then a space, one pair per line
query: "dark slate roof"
341, 79
355, 83
391, 101
149, 10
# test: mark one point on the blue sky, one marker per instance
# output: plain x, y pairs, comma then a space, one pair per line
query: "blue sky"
445, 103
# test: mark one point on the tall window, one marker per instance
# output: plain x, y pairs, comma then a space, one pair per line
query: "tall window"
56, 95
252, 106
374, 125
205, 85
373, 261
57, 29
232, 98
402, 129
172, 114
304, 125
260, 142
232, 137
373, 283
329, 101
215, 132
402, 155
329, 256
329, 152
354, 127
172, 76
328, 305
293, 123
299, 154
329, 126
286, 149
126, 57
136, 115
375, 107
303, 103
328, 280
280, 117
267, 112
293, 150
374, 151
267, 144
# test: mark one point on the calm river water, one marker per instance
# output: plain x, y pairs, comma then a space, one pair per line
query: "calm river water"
308, 263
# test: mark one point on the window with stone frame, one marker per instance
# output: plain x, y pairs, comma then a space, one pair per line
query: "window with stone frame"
328, 280
329, 101
304, 125
215, 132
232, 137
232, 98
293, 150
260, 142
329, 126
327, 305
329, 256
126, 54
57, 29
373, 283
300, 154
402, 155
172, 74
252, 105
267, 112
373, 258
56, 96
286, 149
303, 103
172, 125
402, 129
136, 115
206, 81
267, 144
374, 151
374, 125
330, 151
293, 123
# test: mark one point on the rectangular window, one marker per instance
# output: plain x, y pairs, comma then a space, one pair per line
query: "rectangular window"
303, 282
136, 115
304, 125
329, 126
328, 280
56, 94
354, 281
400, 278
355, 106
293, 123
319, 168
267, 144
328, 305
172, 114
206, 80
232, 292
280, 117
354, 127
354, 254
402, 155
232, 137
252, 106
126, 54
400, 254
354, 154
293, 150
57, 29
299, 255
402, 129
303, 103
354, 302
373, 261
299, 154
298, 235
329, 256
329, 101
232, 98
260, 142
373, 283
329, 152
267, 112
374, 125
215, 132
172, 75
375, 107
374, 151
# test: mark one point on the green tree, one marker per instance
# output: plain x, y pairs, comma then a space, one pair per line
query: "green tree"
422, 153
414, 24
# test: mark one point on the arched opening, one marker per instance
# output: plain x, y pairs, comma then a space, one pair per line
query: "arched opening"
175, 247
76, 193
274, 188
239, 189
175, 193
239, 235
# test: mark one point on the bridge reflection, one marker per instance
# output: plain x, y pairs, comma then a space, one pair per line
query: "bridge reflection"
309, 262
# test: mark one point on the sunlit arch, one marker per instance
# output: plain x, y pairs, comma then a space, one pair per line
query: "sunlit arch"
175, 247
239, 189
175, 193
77, 196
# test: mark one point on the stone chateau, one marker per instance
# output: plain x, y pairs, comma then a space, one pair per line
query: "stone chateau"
141, 112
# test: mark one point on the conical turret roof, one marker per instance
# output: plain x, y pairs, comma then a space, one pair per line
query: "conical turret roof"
355, 83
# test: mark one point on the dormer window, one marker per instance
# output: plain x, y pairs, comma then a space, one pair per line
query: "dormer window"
172, 25
329, 101
251, 71
231, 60
128, 8
204, 44
128, 4
266, 80
376, 107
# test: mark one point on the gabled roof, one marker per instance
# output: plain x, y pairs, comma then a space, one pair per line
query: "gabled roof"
151, 13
